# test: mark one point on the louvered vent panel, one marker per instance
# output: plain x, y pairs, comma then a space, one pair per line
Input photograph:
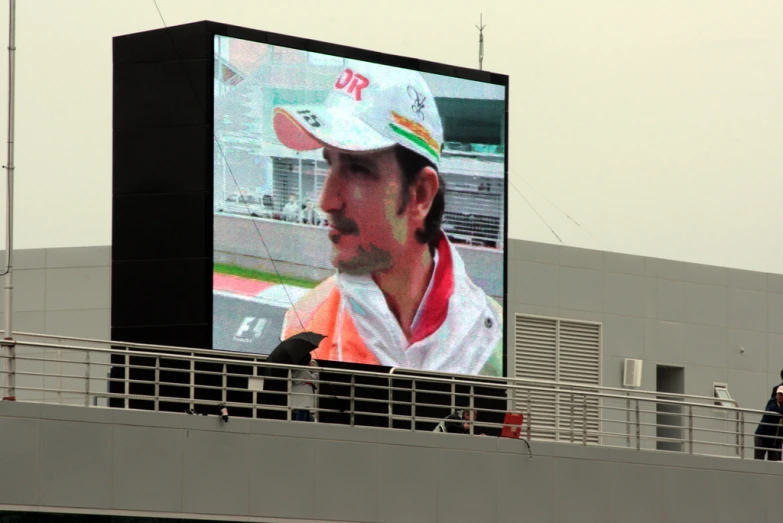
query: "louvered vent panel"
535, 346
565, 351
580, 362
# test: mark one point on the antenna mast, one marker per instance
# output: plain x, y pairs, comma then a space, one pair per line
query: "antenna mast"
481, 27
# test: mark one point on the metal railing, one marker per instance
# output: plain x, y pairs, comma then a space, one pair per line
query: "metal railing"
96, 373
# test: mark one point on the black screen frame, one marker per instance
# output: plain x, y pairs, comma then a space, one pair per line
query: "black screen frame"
191, 44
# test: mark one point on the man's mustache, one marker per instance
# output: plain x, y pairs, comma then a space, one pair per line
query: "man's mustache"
344, 225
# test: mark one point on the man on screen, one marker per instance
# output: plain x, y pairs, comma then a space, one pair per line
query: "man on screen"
401, 296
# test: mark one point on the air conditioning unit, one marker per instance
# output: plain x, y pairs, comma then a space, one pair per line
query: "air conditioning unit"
632, 373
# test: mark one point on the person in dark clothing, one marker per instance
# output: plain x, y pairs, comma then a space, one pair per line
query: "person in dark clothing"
769, 434
458, 422
775, 388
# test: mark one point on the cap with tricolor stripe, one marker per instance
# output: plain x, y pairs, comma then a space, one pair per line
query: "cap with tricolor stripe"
370, 107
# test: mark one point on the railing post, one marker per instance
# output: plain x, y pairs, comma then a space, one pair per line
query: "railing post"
584, 419
738, 449
87, 379
571, 422
192, 381
742, 434
10, 372
254, 394
59, 376
390, 395
317, 399
529, 414
638, 427
628, 421
690, 429
224, 391
126, 399
353, 399
157, 384
413, 405
472, 415
289, 396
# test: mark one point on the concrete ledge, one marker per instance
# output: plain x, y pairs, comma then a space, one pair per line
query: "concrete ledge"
108, 460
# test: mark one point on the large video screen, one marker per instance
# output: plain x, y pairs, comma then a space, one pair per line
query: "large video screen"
360, 201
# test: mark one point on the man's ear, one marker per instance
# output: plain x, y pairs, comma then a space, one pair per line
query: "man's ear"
423, 191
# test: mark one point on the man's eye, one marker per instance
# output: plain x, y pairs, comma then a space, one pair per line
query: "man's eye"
358, 168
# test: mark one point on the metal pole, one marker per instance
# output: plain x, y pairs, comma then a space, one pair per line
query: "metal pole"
472, 418
584, 419
413, 405
573, 427
224, 392
87, 379
690, 429
289, 399
59, 377
9, 222
390, 395
481, 41
317, 400
638, 428
192, 387
353, 396
742, 435
126, 384
529, 415
628, 421
157, 384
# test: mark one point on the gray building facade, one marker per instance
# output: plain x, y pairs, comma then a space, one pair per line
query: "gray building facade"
719, 325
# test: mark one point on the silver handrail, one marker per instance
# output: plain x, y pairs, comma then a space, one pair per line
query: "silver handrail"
210, 353
609, 416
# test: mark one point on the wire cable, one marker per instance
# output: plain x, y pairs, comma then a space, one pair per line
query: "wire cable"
553, 204
535, 211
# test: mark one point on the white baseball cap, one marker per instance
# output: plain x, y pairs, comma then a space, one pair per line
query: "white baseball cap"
370, 107
779, 391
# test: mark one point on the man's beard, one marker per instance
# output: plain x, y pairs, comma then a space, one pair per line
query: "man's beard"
365, 261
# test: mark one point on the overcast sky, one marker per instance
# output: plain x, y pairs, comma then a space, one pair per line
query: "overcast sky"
657, 126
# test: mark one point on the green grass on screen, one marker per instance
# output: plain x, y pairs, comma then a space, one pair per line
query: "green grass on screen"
234, 270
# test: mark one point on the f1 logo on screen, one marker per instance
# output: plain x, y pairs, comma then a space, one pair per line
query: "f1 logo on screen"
250, 329
352, 83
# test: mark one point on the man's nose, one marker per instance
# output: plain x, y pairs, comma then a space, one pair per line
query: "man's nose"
331, 199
